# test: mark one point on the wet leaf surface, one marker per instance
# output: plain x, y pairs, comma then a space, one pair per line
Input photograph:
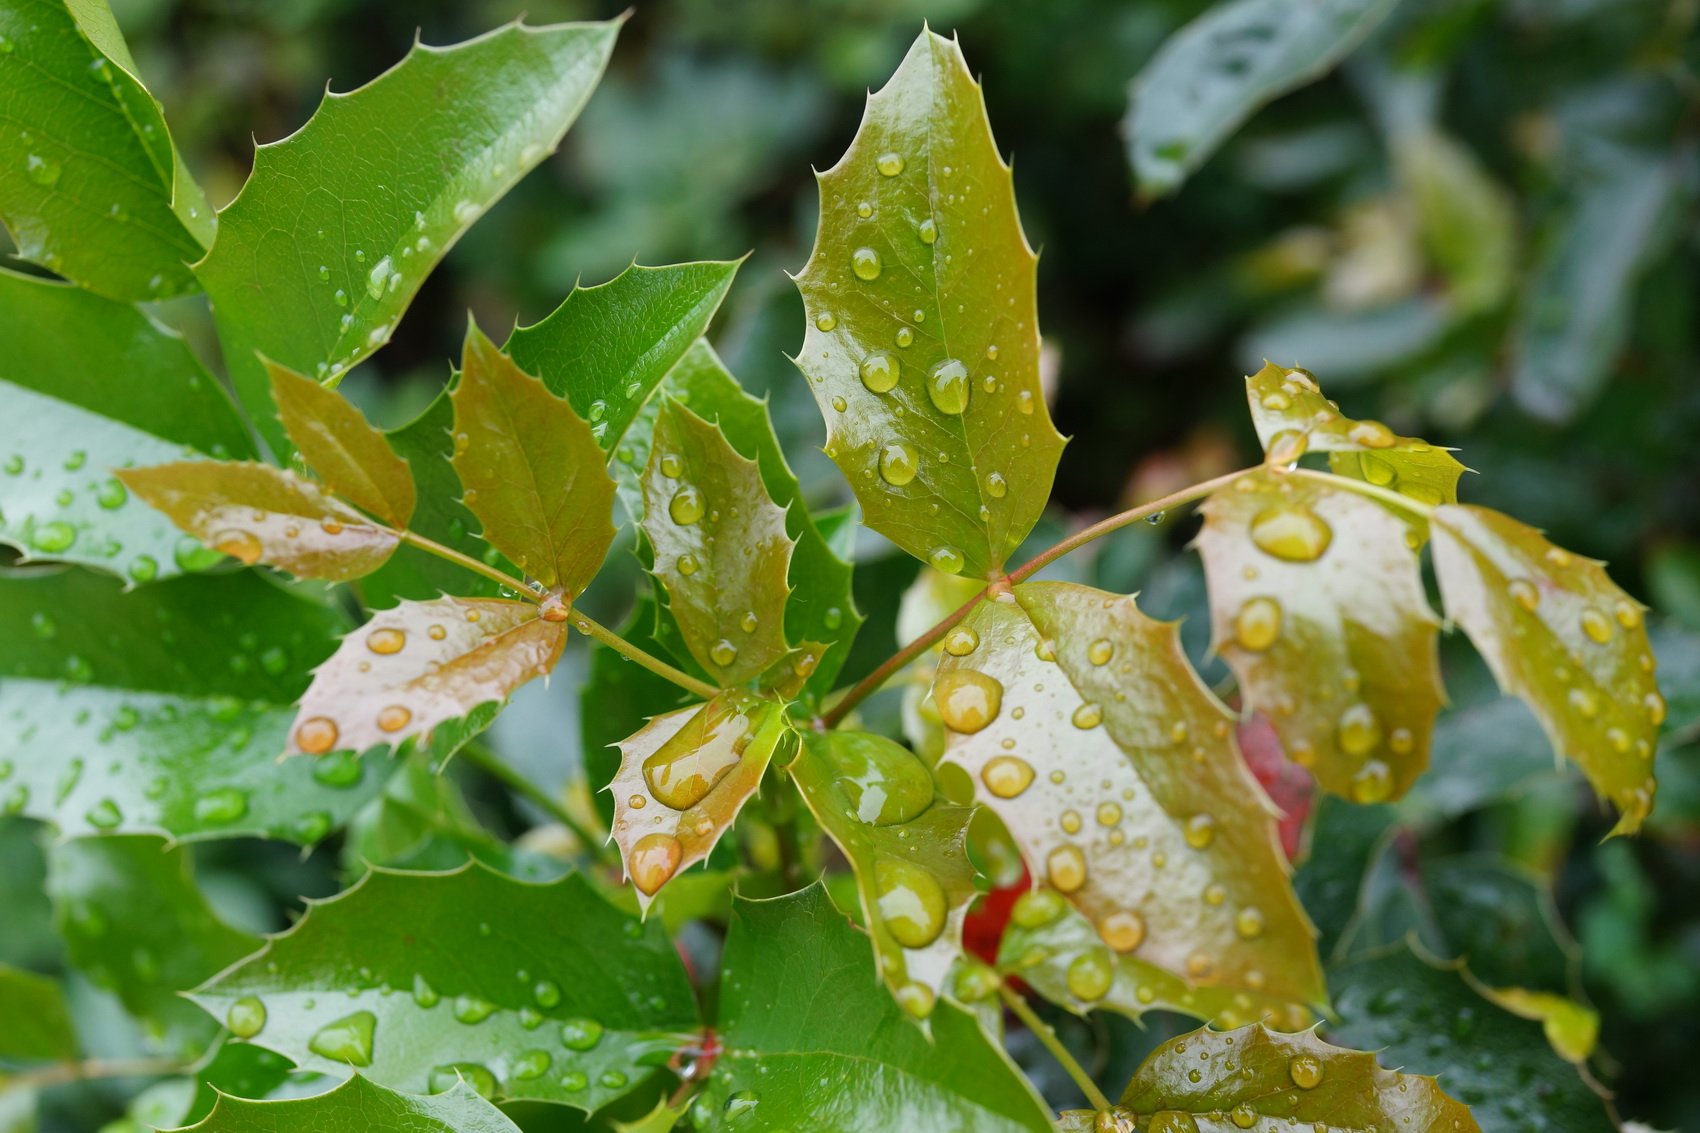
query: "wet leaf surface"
358, 1106
352, 458
35, 1024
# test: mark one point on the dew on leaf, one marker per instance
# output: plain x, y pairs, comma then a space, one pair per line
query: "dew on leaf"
1100, 651
386, 641
1596, 625
905, 336
687, 564
889, 164
316, 736
686, 507
1291, 532
1087, 716
111, 495
1065, 868
221, 807
246, 1017
348, 1039
996, 486
581, 1034
104, 815
1123, 930
1248, 922
1200, 831
911, 902
1090, 975
898, 464
1360, 730
928, 231
946, 560
1524, 593
469, 1008
532, 1064
1037, 908
961, 641
723, 653
53, 538
1373, 783
1006, 776
1306, 1070
967, 700
916, 999
1257, 625
948, 387
865, 262
394, 717
340, 769
654, 859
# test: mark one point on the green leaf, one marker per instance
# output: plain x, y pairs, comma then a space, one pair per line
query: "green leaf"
1267, 1081
35, 1024
720, 544
419, 667
821, 607
1317, 605
525, 991
352, 458
341, 221
1557, 632
800, 1004
617, 699
876, 800
1060, 689
92, 188
235, 1070
421, 820
923, 340
533, 472
1572, 1030
94, 376
1293, 417
1213, 74
683, 779
1468, 220
134, 920
257, 513
357, 1106
163, 710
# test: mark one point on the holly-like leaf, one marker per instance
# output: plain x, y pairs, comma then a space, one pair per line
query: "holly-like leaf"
35, 1024
257, 513
533, 473
136, 923
876, 800
1087, 732
1317, 604
358, 1105
720, 545
618, 698
1214, 73
93, 187
683, 779
418, 980
340, 222
800, 1004
163, 710
93, 376
1557, 632
923, 340
420, 666
235, 1070
1267, 1081
349, 455
1293, 417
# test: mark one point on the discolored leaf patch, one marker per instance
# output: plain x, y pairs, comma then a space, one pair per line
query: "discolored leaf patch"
1560, 634
353, 459
1317, 604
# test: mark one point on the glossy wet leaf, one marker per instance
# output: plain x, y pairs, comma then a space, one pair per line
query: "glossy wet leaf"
525, 991
1560, 634
35, 1024
1116, 772
1218, 70
821, 607
532, 471
1267, 1081
337, 227
922, 347
257, 513
348, 454
422, 666
1287, 404
235, 1070
92, 186
795, 962
875, 799
135, 922
683, 779
163, 710
358, 1106
721, 549
102, 387
1317, 604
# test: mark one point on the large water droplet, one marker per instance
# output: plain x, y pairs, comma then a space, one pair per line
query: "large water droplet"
104, 815
686, 506
1373, 783
865, 262
967, 700
339, 769
1360, 730
723, 653
1243, 1116
378, 280
1291, 532
469, 1008
44, 171
1306, 1070
1091, 974
1006, 776
532, 1064
898, 464
1258, 624
349, 1039
996, 486
238, 544
386, 640
685, 768
884, 782
1123, 930
53, 538
1037, 908
880, 372
889, 164
316, 735
1065, 868
961, 641
948, 386
246, 1017
946, 560
654, 859
911, 902
581, 1034
222, 806
1596, 625
1200, 831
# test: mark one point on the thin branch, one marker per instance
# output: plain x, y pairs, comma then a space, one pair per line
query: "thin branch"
1042, 1030
590, 627
501, 577
62, 1073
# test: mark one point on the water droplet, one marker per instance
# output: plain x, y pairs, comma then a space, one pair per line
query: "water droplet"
1123, 930
826, 321
246, 1017
221, 807
238, 544
1258, 624
865, 262
1249, 923
654, 859
1037, 908
1286, 446
1006, 776
1360, 730
378, 279
1524, 593
1090, 975
532, 1064
1372, 784
423, 993
946, 560
1291, 532
889, 164
917, 1000
349, 1039
905, 336
1065, 868
1306, 1070
911, 902
387, 640
339, 769
581, 1034
723, 653
898, 464
967, 700
1596, 625
44, 171
686, 506
104, 815
445, 1078
52, 538
687, 564
948, 386
394, 717
316, 735
1243, 1116
1087, 716
880, 372
598, 410
1372, 434
1656, 708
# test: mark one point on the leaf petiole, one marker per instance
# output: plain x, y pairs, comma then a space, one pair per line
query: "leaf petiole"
1043, 1032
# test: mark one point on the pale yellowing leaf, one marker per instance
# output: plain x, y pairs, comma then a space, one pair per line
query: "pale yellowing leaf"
353, 459
1317, 604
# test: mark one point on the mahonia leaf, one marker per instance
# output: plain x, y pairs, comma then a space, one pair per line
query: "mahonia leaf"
421, 665
1266, 1081
683, 779
353, 459
358, 1106
1560, 634
533, 473
35, 1024
1317, 605
1087, 732
257, 513
419, 979
93, 187
1214, 73
721, 549
876, 800
340, 222
1571, 1029
801, 1005
1292, 417
134, 920
923, 340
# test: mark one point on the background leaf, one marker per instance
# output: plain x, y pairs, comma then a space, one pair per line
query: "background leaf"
358, 1104
415, 978
341, 221
923, 339
352, 458
37, 1024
